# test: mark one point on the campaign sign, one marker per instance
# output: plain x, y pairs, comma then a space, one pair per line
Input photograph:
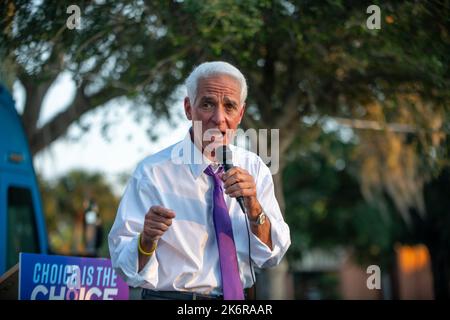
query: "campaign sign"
51, 277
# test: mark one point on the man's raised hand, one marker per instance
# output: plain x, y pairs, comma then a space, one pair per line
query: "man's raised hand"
157, 221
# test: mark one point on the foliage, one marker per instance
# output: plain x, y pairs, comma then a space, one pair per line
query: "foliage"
64, 202
306, 62
325, 208
122, 49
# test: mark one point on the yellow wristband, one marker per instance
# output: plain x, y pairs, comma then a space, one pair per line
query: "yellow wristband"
142, 250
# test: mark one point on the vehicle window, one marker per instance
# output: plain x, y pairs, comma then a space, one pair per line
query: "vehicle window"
22, 231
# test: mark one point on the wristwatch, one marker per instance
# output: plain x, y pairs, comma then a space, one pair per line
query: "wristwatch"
261, 218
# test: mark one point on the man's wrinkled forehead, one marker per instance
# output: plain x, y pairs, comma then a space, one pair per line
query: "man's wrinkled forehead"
218, 85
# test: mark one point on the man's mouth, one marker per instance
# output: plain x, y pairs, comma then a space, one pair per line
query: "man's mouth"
222, 135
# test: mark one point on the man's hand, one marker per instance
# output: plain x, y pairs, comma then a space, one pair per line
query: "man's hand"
239, 183
157, 220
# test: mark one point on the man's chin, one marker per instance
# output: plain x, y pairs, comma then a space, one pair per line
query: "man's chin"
210, 148
213, 145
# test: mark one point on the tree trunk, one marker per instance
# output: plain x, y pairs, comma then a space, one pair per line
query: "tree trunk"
436, 234
276, 283
440, 267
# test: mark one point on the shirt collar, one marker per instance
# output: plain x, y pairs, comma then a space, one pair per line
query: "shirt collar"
193, 157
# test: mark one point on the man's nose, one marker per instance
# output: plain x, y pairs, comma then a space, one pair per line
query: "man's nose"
219, 115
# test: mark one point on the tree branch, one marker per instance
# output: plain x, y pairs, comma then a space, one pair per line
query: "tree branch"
59, 124
37, 87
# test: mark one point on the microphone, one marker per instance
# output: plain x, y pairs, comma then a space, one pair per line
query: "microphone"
224, 155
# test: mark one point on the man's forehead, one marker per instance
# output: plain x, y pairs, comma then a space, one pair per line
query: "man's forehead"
214, 97
219, 82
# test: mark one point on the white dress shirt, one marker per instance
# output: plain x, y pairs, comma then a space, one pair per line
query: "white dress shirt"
187, 257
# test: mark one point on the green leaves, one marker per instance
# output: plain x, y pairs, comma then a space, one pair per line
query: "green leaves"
64, 200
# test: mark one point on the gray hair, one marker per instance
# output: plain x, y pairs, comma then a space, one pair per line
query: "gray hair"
207, 69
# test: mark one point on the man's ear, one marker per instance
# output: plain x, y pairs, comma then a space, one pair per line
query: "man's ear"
187, 108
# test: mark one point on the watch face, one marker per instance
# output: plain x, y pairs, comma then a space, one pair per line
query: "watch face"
262, 218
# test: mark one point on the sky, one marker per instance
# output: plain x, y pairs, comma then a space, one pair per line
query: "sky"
128, 143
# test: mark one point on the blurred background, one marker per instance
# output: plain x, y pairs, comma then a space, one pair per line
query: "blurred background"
361, 98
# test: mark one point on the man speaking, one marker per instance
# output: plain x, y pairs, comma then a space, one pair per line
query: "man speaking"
180, 232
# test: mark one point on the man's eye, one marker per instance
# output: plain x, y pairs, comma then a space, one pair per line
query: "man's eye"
230, 107
207, 105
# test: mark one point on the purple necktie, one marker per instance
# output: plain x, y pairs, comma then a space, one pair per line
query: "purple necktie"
231, 282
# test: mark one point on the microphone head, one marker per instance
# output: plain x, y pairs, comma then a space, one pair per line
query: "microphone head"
224, 155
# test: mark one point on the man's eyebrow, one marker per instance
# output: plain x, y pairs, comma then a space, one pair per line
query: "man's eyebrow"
229, 100
208, 99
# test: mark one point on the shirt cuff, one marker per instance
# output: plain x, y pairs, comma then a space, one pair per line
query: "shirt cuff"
128, 263
262, 256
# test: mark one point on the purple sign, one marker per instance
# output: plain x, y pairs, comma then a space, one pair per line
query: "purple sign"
49, 277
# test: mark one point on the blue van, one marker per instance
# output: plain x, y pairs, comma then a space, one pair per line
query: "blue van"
22, 224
